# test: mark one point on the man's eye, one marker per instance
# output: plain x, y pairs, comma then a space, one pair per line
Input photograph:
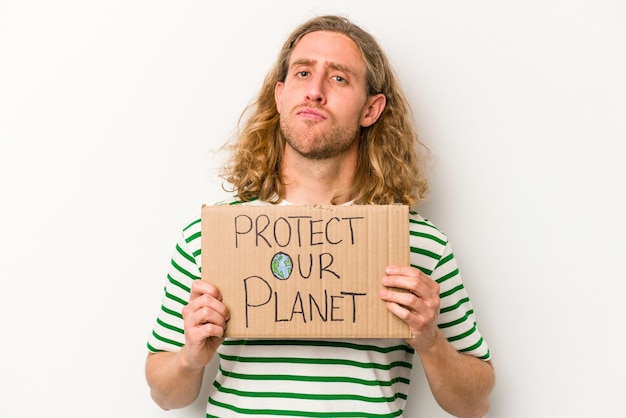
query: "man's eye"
340, 79
302, 73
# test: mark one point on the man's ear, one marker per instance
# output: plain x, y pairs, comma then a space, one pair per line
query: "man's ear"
278, 91
373, 109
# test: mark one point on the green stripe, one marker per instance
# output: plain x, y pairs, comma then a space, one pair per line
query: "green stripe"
184, 254
465, 334
327, 379
474, 347
185, 272
170, 327
300, 360
447, 276
189, 239
486, 356
423, 269
455, 306
178, 284
427, 253
294, 413
239, 202
425, 222
427, 236
192, 224
457, 321
152, 349
451, 291
175, 299
307, 396
445, 260
193, 237
171, 312
166, 340
336, 344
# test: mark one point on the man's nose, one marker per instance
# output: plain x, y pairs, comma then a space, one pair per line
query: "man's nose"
316, 90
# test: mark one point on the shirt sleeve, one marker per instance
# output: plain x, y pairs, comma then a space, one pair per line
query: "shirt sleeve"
456, 316
168, 331
431, 252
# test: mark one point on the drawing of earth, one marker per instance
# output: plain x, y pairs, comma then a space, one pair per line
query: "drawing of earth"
282, 265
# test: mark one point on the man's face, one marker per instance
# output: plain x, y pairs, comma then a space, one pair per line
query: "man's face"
323, 101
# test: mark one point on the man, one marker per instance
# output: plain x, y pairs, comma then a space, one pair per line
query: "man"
330, 126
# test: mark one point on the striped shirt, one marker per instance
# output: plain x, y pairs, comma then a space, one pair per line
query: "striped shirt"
319, 378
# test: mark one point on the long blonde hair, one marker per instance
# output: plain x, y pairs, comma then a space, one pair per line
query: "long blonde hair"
391, 156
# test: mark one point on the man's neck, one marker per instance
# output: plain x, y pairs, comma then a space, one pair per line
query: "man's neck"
309, 182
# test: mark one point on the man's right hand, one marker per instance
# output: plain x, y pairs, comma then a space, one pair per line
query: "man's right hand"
205, 318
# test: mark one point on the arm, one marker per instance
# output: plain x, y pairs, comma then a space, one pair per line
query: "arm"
173, 384
175, 378
460, 383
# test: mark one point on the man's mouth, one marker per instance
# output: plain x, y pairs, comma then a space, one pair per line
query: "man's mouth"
311, 114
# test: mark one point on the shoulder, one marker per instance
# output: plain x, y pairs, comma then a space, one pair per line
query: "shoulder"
428, 244
424, 228
193, 227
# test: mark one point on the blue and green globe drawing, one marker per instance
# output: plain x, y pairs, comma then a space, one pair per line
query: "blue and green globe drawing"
282, 266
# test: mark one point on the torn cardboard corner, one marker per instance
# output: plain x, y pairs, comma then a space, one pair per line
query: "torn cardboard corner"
305, 271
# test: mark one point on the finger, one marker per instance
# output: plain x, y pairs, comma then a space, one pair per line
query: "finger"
213, 330
204, 331
426, 307
402, 270
206, 294
412, 280
400, 297
417, 314
207, 315
202, 287
199, 334
206, 309
400, 311
203, 323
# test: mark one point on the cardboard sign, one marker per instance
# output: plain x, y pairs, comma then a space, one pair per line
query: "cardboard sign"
305, 271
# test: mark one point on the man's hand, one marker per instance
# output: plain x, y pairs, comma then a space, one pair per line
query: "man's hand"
175, 378
460, 383
417, 303
205, 318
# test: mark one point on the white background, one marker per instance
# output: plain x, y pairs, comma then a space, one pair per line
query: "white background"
110, 115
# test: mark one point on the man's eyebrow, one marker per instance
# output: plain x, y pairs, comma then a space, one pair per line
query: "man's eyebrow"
332, 65
302, 61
